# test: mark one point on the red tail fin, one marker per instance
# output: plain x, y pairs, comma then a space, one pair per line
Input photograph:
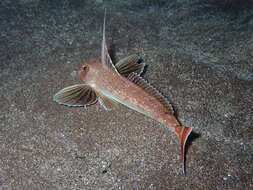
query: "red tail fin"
183, 132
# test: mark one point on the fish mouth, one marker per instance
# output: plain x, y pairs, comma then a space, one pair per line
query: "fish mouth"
74, 74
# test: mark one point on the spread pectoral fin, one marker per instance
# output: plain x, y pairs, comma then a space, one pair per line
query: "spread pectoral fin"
130, 64
76, 95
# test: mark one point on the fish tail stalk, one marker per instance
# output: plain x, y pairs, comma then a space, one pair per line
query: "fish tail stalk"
183, 132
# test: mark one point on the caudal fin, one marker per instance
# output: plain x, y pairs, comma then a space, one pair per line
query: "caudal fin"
183, 132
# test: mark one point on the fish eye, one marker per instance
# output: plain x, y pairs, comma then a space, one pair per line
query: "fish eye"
85, 68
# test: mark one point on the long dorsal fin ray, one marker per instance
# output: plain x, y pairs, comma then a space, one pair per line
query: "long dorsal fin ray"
105, 57
130, 64
76, 95
138, 80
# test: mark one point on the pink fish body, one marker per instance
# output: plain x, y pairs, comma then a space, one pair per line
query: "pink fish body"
122, 84
122, 90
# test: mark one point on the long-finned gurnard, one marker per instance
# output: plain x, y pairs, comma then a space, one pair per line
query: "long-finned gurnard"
111, 84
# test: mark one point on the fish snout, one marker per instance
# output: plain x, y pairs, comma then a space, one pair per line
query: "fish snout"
74, 74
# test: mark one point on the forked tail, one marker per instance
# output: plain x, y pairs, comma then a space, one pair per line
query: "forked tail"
183, 132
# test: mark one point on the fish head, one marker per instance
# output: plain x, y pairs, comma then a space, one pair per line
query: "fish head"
89, 70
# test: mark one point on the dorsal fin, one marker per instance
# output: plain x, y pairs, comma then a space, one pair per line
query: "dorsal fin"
105, 57
138, 80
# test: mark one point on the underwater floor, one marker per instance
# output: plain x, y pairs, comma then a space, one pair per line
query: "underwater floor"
199, 55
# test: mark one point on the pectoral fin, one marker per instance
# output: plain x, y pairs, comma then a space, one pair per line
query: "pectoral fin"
76, 95
130, 64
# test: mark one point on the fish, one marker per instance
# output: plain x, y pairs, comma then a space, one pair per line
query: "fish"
121, 83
